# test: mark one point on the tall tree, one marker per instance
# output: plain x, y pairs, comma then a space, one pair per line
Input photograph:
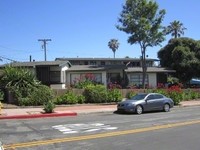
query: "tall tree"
141, 20
113, 44
184, 56
176, 29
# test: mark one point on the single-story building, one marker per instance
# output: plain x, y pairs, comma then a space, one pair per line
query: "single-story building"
50, 73
60, 73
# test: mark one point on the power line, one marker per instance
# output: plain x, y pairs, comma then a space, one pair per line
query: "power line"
44, 47
1, 57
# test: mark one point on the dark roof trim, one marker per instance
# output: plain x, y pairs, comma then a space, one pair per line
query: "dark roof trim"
95, 67
150, 70
103, 59
38, 63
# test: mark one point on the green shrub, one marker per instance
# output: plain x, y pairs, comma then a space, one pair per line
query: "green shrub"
19, 81
41, 95
162, 91
58, 100
114, 95
194, 95
81, 99
49, 107
24, 101
176, 97
70, 98
130, 94
1, 95
95, 94
186, 96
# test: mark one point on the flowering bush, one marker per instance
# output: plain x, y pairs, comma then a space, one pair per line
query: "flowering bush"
84, 81
114, 86
160, 86
175, 93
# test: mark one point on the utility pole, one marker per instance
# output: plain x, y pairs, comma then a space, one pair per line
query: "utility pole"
44, 47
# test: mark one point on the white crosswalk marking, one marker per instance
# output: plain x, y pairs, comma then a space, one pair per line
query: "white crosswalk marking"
1, 146
82, 128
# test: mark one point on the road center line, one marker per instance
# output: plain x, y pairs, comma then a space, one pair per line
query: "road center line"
101, 135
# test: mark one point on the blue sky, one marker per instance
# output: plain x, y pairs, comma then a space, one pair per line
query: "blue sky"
78, 28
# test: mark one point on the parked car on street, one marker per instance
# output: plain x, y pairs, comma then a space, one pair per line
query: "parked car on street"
143, 102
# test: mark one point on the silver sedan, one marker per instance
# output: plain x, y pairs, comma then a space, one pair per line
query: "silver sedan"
143, 102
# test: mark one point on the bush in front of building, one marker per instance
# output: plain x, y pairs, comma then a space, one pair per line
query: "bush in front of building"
38, 96
84, 81
70, 98
23, 88
177, 94
81, 99
95, 94
114, 95
130, 94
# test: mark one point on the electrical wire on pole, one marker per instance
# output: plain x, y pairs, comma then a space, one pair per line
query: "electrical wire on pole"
44, 47
2, 57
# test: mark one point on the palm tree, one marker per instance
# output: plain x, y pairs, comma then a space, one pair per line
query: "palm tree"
113, 44
176, 29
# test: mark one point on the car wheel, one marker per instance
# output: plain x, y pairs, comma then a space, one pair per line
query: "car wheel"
166, 108
139, 109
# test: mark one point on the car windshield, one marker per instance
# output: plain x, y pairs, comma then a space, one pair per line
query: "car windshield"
139, 96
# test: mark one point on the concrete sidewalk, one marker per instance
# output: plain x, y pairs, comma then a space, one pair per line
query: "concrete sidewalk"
67, 110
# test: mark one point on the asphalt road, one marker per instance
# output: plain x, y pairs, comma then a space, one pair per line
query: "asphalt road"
175, 130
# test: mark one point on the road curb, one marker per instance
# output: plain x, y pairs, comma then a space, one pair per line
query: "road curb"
39, 115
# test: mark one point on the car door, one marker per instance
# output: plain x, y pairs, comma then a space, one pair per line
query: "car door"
158, 101
150, 103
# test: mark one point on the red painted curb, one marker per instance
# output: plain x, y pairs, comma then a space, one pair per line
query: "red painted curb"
39, 115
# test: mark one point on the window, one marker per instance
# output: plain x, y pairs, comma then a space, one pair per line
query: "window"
98, 77
136, 79
74, 78
92, 62
77, 77
157, 96
114, 77
151, 97
55, 76
103, 63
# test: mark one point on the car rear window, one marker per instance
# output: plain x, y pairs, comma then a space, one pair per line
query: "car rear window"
139, 96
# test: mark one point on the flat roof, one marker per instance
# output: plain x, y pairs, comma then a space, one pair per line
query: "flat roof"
149, 69
95, 67
37, 63
103, 59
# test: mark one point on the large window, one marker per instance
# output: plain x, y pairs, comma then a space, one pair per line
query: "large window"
76, 77
136, 79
